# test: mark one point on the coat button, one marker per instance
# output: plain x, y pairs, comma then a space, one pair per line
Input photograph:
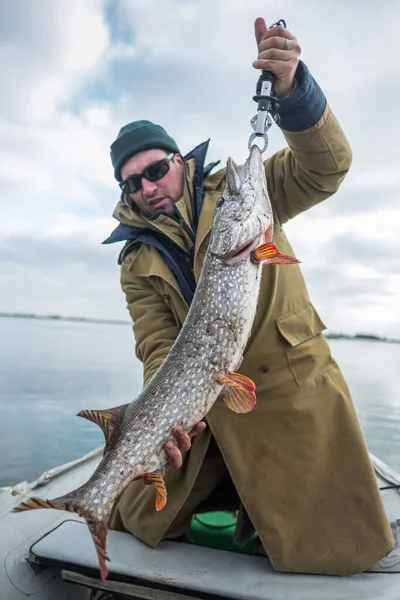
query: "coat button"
264, 369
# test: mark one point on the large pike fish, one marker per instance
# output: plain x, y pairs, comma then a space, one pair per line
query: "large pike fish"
201, 365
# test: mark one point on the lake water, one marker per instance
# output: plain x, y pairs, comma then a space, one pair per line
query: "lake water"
50, 370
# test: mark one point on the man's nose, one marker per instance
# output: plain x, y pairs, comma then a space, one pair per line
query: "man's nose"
148, 187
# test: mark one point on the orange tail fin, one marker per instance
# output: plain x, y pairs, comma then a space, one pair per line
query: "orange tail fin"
74, 502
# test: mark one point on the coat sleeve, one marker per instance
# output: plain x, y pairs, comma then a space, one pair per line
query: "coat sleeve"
310, 169
318, 155
154, 325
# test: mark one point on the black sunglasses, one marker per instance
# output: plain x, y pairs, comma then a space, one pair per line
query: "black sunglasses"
154, 172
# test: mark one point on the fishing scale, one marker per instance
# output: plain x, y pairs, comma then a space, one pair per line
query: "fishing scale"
267, 104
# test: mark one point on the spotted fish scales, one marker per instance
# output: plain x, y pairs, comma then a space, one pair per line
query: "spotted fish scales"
201, 364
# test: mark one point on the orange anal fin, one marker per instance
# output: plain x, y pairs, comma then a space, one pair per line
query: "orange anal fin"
161, 491
238, 393
270, 255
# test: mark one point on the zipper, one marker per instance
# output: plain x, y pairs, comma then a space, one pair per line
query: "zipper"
185, 227
182, 224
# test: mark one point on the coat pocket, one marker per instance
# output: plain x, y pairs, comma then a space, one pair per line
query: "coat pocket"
307, 351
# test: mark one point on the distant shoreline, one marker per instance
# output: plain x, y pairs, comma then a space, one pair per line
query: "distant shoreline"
369, 337
361, 337
61, 318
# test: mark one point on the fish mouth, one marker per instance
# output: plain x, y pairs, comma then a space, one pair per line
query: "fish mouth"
242, 213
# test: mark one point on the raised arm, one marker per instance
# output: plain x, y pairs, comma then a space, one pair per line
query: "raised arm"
318, 155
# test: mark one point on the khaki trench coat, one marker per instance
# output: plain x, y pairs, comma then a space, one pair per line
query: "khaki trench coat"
298, 460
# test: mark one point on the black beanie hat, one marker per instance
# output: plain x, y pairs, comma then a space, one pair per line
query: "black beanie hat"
138, 136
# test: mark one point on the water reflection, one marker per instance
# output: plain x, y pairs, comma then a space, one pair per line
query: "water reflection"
371, 369
49, 371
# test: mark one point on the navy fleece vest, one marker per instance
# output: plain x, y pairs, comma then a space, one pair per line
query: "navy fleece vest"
177, 261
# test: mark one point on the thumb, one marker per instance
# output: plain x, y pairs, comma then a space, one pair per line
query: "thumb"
260, 29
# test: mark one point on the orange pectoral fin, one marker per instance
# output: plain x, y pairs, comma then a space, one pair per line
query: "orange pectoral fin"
161, 491
268, 235
270, 255
238, 393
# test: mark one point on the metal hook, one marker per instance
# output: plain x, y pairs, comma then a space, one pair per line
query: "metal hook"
281, 22
267, 109
255, 137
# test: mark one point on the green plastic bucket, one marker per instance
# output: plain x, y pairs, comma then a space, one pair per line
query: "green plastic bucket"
216, 530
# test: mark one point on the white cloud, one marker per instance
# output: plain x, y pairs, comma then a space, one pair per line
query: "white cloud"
75, 72
47, 51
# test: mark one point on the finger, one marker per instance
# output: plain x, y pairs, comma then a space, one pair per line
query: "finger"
260, 29
197, 428
277, 31
281, 43
278, 55
279, 67
174, 455
182, 437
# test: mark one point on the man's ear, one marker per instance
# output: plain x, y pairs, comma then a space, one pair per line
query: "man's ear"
179, 161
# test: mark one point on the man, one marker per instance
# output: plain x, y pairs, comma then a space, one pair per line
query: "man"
297, 465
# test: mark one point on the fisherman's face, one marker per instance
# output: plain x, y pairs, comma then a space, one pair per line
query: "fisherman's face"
161, 194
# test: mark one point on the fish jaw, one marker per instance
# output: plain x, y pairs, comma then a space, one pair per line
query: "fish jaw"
243, 213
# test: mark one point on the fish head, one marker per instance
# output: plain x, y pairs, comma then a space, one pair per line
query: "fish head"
243, 214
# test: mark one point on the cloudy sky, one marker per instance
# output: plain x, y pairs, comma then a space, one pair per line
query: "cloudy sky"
72, 73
